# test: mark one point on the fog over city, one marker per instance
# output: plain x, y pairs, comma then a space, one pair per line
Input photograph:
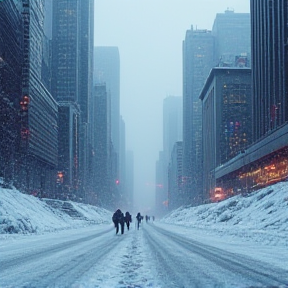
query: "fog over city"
143, 143
149, 35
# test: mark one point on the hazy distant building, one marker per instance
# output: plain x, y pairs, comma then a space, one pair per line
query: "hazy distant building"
129, 183
198, 59
172, 131
227, 125
101, 141
232, 34
175, 184
107, 70
122, 161
86, 52
270, 65
172, 123
161, 196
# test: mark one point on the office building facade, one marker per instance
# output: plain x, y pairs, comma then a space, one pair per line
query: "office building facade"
101, 143
129, 184
270, 65
175, 187
232, 33
107, 70
172, 131
72, 61
265, 162
38, 109
11, 56
198, 59
227, 108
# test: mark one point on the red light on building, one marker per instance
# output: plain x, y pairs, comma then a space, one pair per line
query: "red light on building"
165, 203
25, 133
24, 103
218, 194
60, 177
117, 182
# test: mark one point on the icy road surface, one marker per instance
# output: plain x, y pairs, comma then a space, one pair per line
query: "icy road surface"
157, 255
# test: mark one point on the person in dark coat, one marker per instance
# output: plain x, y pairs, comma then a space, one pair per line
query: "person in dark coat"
122, 222
116, 219
139, 218
128, 219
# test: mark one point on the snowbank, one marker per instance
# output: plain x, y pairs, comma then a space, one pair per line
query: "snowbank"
261, 216
21, 213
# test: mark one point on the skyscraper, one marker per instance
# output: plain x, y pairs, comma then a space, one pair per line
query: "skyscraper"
227, 99
161, 196
232, 37
198, 59
172, 123
101, 141
129, 183
270, 65
72, 56
38, 109
65, 81
175, 192
265, 161
122, 163
11, 56
172, 131
107, 70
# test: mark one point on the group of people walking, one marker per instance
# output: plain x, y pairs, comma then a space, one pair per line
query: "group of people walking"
118, 218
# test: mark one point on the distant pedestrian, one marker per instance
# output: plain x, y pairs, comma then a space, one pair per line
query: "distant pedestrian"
116, 219
122, 222
128, 219
139, 218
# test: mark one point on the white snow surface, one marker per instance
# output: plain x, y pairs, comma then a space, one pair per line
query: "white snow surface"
255, 224
261, 216
24, 214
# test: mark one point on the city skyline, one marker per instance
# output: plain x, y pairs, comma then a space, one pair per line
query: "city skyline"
151, 67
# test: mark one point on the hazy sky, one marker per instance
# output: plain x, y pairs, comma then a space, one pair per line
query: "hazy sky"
149, 35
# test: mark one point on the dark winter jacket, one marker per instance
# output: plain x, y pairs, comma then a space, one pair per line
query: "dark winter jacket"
139, 217
128, 217
121, 219
117, 216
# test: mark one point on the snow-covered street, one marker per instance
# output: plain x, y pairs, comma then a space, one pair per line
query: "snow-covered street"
156, 255
240, 242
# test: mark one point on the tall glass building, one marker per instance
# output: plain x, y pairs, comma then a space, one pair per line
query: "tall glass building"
101, 140
107, 70
265, 162
232, 34
11, 57
172, 132
38, 109
226, 98
72, 66
270, 65
198, 59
